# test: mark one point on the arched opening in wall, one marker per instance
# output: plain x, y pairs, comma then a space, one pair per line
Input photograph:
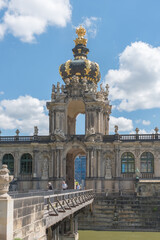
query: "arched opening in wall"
80, 124
75, 157
80, 171
8, 159
74, 108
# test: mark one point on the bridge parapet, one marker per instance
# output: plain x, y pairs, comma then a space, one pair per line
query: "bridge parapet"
66, 204
35, 217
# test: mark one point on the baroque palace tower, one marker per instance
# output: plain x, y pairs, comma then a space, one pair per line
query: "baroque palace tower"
80, 95
114, 163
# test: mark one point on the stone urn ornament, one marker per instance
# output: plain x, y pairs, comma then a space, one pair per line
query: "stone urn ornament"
5, 179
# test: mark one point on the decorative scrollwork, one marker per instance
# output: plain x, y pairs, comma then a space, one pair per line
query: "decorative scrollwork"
67, 67
88, 66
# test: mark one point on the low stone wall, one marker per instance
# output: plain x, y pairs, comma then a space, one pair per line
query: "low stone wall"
148, 188
29, 223
127, 213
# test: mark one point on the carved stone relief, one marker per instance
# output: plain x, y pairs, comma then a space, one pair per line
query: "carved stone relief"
108, 168
45, 168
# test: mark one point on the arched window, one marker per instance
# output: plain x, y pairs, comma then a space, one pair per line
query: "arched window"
26, 163
127, 163
8, 159
147, 162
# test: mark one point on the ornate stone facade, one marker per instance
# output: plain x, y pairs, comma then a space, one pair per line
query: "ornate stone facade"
111, 160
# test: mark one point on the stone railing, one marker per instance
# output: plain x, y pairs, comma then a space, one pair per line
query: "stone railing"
106, 138
147, 175
128, 175
131, 137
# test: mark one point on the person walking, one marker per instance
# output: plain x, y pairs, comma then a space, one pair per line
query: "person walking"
64, 185
50, 187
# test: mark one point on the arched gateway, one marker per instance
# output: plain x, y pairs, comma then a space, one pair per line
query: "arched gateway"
79, 95
70, 165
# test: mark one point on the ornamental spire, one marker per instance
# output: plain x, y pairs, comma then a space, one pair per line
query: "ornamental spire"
80, 31
80, 50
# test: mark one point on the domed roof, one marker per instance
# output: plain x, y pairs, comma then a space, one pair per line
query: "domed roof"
80, 66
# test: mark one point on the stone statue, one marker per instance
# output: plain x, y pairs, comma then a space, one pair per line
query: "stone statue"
101, 87
67, 81
53, 88
90, 131
84, 81
45, 169
156, 130
5, 179
17, 132
62, 88
107, 88
58, 87
138, 173
116, 129
108, 167
137, 130
35, 131
75, 80
94, 88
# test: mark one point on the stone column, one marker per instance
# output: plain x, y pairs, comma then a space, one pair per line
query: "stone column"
117, 161
49, 235
16, 165
6, 206
73, 234
76, 224
50, 122
95, 164
57, 163
95, 122
87, 164
34, 169
1, 157
137, 159
50, 170
34, 163
107, 130
92, 163
99, 127
61, 163
101, 122
54, 162
99, 163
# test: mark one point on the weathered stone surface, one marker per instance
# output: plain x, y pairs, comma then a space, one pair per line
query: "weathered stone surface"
28, 218
6, 218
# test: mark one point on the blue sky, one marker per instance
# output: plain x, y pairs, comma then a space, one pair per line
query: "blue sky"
36, 36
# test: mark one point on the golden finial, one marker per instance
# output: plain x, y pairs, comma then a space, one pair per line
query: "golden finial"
81, 31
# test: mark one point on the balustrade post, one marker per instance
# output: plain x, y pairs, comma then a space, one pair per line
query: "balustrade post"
6, 206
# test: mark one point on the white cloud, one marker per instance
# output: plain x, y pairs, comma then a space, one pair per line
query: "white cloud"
1, 93
136, 84
91, 25
3, 4
27, 18
146, 123
23, 113
143, 131
124, 124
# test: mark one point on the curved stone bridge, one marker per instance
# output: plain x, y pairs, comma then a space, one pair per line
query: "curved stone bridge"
42, 215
